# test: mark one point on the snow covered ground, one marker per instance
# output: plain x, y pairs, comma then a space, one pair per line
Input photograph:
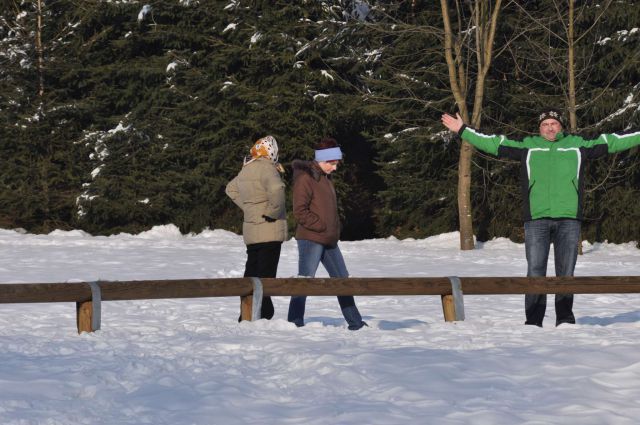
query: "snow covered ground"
190, 362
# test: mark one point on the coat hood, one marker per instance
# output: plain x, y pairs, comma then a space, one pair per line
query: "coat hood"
308, 167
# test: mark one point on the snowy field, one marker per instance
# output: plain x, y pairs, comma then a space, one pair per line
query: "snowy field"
190, 362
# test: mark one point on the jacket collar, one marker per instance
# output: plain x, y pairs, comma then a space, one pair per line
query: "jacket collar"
308, 167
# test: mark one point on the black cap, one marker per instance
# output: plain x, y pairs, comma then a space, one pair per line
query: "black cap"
550, 113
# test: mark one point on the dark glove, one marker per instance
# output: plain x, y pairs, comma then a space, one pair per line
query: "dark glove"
268, 219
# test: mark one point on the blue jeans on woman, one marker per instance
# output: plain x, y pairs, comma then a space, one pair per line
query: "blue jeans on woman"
539, 234
310, 254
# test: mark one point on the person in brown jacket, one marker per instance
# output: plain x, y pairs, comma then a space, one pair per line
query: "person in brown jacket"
259, 191
315, 208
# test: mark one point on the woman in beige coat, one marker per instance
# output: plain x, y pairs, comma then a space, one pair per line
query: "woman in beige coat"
259, 191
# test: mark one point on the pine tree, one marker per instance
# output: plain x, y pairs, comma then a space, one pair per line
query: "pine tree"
40, 164
147, 113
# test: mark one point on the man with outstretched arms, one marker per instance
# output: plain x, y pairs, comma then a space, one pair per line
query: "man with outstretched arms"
551, 171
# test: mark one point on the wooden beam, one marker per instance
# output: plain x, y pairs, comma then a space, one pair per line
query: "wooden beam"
358, 286
199, 288
125, 290
551, 285
442, 285
185, 288
44, 292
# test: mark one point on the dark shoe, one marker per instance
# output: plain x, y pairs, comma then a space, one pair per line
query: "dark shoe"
535, 324
356, 327
298, 323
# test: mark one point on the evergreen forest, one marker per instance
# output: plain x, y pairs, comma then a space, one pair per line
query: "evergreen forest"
116, 116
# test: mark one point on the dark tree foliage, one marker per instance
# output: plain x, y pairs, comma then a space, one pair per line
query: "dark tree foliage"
40, 165
144, 119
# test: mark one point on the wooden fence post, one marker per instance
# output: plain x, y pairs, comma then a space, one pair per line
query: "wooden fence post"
246, 307
453, 304
448, 308
84, 316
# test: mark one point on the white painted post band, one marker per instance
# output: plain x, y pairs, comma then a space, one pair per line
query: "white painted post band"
96, 303
458, 301
256, 305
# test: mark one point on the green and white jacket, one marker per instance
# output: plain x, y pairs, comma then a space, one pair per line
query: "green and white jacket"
551, 172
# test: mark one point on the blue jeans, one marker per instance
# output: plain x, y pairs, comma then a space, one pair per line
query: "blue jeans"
539, 234
310, 254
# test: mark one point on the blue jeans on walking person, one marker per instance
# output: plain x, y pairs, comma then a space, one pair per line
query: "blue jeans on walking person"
310, 255
539, 234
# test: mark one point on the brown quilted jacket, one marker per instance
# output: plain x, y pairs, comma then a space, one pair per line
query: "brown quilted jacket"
315, 205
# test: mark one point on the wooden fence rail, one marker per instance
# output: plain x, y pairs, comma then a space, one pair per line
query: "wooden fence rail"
450, 289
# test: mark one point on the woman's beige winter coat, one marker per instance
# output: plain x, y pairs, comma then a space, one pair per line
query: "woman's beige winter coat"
259, 191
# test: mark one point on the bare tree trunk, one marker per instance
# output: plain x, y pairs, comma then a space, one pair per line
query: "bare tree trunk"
571, 77
39, 49
458, 80
571, 70
45, 162
465, 216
